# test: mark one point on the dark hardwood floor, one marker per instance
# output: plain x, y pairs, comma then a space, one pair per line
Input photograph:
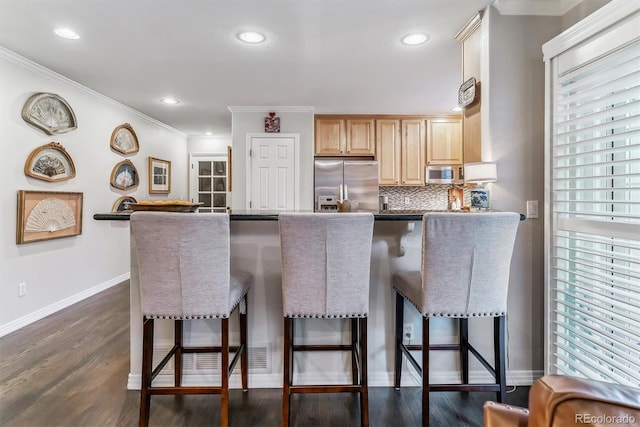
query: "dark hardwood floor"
71, 369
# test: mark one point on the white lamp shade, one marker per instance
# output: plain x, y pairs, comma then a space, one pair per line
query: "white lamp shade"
480, 172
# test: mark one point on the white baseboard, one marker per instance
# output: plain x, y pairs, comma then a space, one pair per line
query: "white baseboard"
376, 379
23, 321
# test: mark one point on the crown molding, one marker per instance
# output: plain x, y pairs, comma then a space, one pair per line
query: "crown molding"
470, 27
266, 109
535, 7
26, 64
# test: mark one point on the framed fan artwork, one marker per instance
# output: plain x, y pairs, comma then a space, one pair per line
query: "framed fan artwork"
122, 204
124, 176
45, 215
124, 139
50, 162
50, 113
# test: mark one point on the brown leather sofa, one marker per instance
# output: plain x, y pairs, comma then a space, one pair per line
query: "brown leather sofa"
562, 401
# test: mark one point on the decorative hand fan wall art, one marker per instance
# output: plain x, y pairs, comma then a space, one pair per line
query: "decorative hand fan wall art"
124, 139
50, 113
124, 175
44, 215
50, 162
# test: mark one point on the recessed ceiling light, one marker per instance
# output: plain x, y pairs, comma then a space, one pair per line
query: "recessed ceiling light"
67, 33
251, 37
415, 39
456, 109
171, 101
208, 133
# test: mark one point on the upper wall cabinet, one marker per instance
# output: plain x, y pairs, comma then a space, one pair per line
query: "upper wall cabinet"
400, 151
471, 38
444, 141
344, 136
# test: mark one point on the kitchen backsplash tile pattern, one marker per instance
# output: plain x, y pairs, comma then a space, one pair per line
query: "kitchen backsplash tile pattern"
429, 197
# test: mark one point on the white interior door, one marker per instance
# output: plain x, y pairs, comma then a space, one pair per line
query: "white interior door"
273, 173
209, 182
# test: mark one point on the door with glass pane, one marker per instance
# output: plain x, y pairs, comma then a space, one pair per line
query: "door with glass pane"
209, 183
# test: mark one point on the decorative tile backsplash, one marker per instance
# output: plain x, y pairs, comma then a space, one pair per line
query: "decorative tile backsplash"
429, 197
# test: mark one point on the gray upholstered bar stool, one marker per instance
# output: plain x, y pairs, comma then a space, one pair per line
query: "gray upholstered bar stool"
465, 273
326, 262
184, 271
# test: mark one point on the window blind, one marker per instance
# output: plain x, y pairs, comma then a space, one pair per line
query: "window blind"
594, 289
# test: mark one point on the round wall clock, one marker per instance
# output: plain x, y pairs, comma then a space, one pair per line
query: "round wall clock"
50, 162
50, 113
124, 139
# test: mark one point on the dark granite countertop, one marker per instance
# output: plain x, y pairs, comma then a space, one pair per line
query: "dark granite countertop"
236, 215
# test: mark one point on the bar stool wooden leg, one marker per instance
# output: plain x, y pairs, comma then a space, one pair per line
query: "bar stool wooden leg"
177, 333
364, 392
354, 350
425, 371
224, 362
398, 351
464, 349
244, 357
287, 370
147, 367
499, 354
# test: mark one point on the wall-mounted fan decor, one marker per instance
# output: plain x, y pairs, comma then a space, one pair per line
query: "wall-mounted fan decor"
124, 139
50, 113
50, 162
124, 175
122, 204
44, 215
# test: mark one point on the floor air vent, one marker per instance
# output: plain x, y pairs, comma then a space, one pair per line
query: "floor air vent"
259, 360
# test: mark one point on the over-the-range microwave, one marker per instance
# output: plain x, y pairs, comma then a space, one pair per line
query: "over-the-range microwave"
453, 174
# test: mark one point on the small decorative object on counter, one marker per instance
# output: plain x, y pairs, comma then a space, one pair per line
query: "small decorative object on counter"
272, 123
455, 199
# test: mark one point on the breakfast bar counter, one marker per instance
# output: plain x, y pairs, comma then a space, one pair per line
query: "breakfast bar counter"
255, 247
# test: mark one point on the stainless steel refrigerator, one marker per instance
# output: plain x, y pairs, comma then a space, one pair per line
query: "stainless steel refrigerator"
356, 180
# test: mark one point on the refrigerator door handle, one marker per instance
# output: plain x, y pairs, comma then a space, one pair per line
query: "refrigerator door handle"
346, 192
341, 193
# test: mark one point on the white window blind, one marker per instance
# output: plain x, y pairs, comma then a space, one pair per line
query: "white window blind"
594, 285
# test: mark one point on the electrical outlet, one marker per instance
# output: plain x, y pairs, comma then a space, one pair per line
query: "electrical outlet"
408, 331
22, 289
532, 209
407, 200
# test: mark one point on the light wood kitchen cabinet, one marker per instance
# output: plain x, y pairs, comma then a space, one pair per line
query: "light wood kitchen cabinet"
335, 136
444, 141
413, 143
330, 136
388, 151
400, 151
472, 55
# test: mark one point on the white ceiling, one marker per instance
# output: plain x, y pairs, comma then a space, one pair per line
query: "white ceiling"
336, 56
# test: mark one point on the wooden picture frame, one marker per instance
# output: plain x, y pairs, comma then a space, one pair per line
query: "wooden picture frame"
121, 204
45, 215
50, 162
159, 176
124, 176
50, 113
124, 139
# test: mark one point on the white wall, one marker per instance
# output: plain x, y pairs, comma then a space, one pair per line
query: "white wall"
208, 144
292, 120
62, 271
516, 139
